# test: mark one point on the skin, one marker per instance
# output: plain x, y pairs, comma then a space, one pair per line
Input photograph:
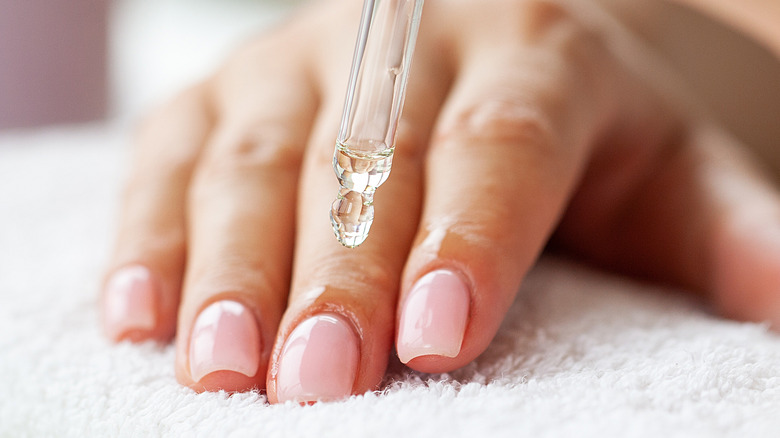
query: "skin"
525, 132
757, 18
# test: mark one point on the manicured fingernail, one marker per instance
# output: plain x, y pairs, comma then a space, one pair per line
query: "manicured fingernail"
129, 301
318, 361
434, 316
225, 337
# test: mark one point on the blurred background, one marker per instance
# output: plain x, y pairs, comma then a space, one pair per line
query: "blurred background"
88, 60
85, 60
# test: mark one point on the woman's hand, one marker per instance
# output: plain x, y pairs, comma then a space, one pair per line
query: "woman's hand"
522, 128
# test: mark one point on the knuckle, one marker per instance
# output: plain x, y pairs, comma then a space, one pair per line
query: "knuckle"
530, 21
502, 137
541, 16
260, 149
553, 25
155, 243
498, 121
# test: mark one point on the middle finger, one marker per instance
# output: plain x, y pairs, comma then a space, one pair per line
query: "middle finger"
241, 220
336, 336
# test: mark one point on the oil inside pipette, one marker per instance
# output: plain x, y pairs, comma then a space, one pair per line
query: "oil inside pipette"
359, 175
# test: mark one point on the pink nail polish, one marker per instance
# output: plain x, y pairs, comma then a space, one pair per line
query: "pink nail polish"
225, 337
319, 360
434, 316
129, 301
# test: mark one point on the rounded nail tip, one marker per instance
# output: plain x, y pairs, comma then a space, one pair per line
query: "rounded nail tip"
115, 336
245, 366
112, 332
119, 325
129, 331
407, 354
160, 335
225, 380
310, 398
199, 373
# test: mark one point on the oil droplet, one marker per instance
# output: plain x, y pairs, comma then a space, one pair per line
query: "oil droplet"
359, 174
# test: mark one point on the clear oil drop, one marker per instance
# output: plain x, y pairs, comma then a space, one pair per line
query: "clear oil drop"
359, 175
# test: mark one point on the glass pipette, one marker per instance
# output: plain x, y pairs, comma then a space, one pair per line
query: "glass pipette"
375, 97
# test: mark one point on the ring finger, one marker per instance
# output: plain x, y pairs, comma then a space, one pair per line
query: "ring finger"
241, 227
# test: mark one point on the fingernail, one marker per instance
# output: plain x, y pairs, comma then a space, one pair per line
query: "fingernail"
129, 301
434, 316
318, 361
225, 337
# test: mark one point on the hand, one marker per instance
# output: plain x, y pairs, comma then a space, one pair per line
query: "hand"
522, 128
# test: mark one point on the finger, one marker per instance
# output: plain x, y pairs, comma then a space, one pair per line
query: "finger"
744, 241
141, 292
336, 335
509, 148
242, 220
707, 219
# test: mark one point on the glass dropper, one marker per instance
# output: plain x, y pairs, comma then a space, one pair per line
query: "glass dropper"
372, 108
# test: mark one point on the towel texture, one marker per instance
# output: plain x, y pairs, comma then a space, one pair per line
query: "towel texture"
581, 353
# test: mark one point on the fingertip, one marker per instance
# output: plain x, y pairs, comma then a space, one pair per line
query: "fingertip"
225, 349
319, 361
130, 304
747, 274
434, 364
224, 380
433, 316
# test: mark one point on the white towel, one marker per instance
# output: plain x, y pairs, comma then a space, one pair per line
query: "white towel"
581, 353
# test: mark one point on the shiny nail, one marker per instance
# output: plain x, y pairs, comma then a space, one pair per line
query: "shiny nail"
434, 316
319, 360
129, 301
225, 337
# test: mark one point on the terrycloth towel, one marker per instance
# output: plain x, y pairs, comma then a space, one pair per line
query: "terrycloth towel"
580, 354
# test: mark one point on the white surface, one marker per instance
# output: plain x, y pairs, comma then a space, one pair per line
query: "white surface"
580, 354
